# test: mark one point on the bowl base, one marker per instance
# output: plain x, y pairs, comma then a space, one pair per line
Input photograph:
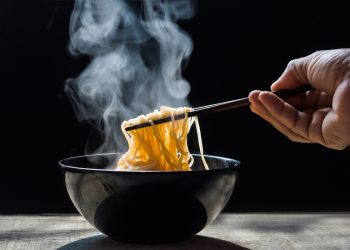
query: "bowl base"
145, 217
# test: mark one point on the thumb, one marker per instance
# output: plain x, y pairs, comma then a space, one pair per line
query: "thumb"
293, 76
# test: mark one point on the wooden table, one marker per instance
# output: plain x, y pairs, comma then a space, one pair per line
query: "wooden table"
227, 232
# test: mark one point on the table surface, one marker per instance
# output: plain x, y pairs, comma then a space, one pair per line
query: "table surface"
228, 232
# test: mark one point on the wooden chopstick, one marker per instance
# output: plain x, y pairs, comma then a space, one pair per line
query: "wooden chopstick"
222, 106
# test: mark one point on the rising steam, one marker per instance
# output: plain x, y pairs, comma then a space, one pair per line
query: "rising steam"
136, 52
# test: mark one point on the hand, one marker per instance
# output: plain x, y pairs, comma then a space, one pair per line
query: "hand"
318, 116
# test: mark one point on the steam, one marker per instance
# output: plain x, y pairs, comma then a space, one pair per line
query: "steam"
137, 52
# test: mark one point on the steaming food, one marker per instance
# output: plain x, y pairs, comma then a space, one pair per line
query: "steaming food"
161, 147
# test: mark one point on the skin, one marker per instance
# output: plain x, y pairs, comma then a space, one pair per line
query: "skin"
318, 116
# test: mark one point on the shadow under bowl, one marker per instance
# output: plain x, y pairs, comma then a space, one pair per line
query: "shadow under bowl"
148, 206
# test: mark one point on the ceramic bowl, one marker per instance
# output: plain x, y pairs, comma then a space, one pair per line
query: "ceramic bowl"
148, 206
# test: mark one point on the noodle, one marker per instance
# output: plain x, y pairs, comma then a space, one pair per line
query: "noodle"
161, 147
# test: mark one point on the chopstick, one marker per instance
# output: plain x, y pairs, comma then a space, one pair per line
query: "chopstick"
222, 106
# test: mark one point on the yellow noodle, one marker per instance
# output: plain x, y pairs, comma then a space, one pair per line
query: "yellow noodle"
160, 147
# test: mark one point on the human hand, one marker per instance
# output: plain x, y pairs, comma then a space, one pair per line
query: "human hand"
318, 116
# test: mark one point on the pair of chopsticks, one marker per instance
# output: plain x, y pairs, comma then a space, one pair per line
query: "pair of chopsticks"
222, 106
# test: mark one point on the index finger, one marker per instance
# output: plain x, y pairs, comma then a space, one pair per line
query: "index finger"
292, 77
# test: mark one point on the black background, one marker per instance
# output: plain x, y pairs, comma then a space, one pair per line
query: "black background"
238, 46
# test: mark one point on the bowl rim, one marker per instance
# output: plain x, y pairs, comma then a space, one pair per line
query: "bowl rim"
234, 167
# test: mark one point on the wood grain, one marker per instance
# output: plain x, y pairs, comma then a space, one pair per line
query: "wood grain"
229, 231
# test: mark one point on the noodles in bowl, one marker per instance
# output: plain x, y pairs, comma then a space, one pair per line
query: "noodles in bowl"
160, 193
161, 147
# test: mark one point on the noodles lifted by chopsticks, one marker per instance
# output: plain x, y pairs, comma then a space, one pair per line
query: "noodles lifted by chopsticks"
161, 147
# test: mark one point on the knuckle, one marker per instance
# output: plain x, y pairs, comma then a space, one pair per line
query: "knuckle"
297, 67
297, 140
292, 64
336, 147
339, 147
336, 140
292, 138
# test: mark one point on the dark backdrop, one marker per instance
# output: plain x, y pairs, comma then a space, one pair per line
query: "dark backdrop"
238, 46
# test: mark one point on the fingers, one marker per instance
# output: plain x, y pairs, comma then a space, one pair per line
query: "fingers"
315, 99
297, 126
341, 100
324, 70
286, 114
293, 76
321, 115
341, 104
259, 108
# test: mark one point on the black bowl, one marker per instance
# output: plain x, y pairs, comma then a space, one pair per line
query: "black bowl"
148, 206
